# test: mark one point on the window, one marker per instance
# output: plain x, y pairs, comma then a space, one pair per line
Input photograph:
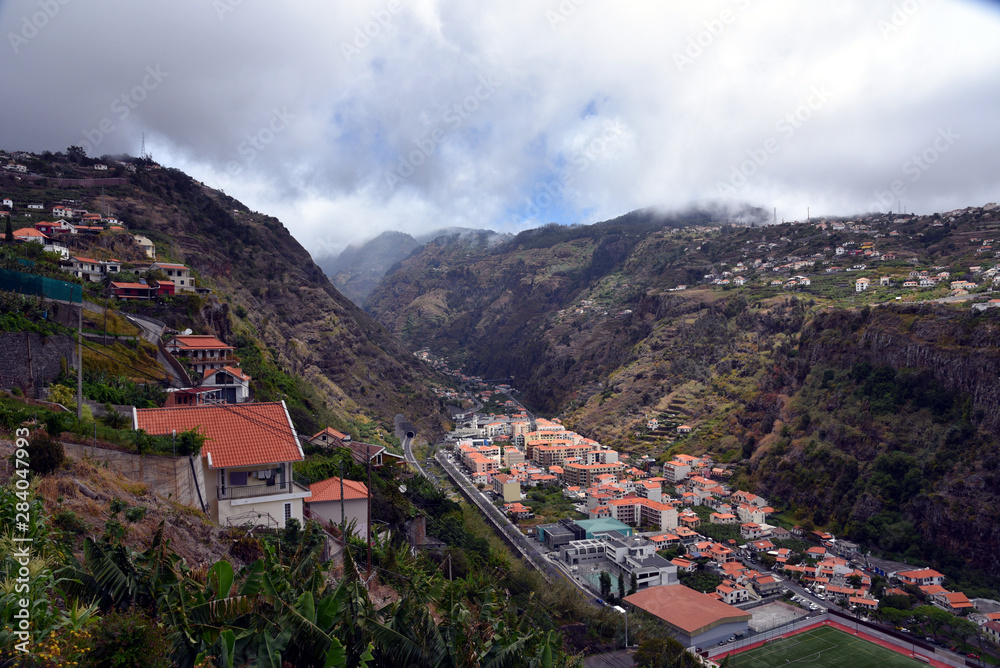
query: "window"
288, 512
238, 478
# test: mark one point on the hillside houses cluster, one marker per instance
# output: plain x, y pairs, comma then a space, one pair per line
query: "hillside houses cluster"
859, 255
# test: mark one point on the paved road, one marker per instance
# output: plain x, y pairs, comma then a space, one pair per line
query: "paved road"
410, 457
152, 330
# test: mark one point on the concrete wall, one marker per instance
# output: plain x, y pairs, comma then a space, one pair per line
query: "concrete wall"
170, 477
354, 509
46, 353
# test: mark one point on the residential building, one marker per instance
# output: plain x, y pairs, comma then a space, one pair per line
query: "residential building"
178, 273
636, 511
585, 475
231, 384
507, 487
205, 352
922, 576
246, 460
135, 291
324, 504
329, 437
146, 245
90, 269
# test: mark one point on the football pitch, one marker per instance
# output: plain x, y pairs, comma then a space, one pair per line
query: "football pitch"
823, 647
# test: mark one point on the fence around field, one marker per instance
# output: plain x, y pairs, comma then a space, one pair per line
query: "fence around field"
909, 644
32, 284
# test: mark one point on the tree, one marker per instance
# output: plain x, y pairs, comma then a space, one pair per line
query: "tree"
47, 454
854, 580
76, 154
633, 586
8, 234
621, 585
605, 580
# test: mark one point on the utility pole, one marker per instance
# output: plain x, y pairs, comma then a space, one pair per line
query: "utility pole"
79, 368
369, 455
343, 516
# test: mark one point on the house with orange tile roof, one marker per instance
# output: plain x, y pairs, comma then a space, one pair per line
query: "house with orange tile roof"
30, 234
324, 504
329, 437
205, 352
91, 269
232, 384
922, 576
245, 471
178, 273
865, 603
954, 602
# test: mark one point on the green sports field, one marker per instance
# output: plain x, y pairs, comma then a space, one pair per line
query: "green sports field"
824, 647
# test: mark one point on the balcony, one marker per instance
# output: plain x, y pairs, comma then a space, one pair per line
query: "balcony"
234, 492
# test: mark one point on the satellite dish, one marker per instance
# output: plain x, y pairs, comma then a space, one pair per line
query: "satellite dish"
186, 332
402, 489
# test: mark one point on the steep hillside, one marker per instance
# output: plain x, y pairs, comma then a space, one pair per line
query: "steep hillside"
872, 413
358, 269
296, 333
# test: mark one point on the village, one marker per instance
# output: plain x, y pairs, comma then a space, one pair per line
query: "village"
739, 571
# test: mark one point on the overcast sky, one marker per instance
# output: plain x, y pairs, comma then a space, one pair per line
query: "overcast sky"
348, 118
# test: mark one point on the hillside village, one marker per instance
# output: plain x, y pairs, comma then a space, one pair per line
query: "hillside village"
653, 521
661, 530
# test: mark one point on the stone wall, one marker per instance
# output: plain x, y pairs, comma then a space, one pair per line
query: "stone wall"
46, 353
170, 477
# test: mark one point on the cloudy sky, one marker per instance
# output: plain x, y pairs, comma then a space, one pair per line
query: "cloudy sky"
348, 118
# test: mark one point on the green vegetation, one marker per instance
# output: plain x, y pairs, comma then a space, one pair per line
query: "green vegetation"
700, 580
824, 647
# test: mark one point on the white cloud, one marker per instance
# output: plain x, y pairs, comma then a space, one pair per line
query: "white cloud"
368, 89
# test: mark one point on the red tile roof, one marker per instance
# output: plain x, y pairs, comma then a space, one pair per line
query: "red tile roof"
228, 369
235, 434
329, 490
199, 342
686, 609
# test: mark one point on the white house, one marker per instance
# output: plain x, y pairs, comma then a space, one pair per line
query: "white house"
245, 461
178, 273
146, 245
324, 504
90, 269
232, 384
62, 212
861, 284
7, 202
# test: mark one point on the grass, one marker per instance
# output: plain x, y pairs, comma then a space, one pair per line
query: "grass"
822, 647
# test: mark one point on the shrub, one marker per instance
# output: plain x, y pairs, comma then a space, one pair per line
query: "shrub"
135, 513
70, 522
129, 638
117, 505
47, 454
115, 420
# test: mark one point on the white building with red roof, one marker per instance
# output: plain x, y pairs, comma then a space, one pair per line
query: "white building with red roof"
30, 234
206, 352
178, 273
232, 385
324, 504
245, 474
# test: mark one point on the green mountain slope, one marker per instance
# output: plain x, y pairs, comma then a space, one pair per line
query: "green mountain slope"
298, 336
868, 415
